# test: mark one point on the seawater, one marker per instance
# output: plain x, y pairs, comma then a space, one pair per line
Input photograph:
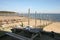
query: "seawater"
52, 17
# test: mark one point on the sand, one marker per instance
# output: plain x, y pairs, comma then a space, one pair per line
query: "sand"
53, 27
13, 21
38, 22
16, 19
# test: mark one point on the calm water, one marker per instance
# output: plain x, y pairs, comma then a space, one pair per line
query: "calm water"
52, 17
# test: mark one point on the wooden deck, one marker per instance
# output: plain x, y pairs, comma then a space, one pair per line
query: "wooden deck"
17, 36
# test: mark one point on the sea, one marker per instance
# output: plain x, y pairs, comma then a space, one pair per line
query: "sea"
43, 16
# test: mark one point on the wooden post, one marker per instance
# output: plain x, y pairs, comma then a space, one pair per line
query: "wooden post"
40, 20
35, 19
43, 19
29, 16
46, 19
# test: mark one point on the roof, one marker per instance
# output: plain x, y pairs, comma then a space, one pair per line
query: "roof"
7, 12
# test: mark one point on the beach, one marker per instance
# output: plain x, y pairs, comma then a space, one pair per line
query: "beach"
37, 24
14, 21
55, 27
9, 21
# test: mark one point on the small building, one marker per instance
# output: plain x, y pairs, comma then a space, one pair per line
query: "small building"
7, 13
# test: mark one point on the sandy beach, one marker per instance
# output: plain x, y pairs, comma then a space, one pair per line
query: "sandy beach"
24, 20
13, 21
53, 27
38, 22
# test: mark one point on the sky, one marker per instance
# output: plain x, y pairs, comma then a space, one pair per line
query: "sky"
22, 6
